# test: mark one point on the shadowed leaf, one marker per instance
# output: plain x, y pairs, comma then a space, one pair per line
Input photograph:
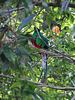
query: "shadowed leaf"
65, 4
25, 21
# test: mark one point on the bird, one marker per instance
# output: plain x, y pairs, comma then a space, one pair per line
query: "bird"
39, 41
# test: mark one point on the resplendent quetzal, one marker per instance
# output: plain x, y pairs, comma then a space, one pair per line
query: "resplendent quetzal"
40, 41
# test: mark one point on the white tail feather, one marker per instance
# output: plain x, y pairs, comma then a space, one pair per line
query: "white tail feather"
44, 62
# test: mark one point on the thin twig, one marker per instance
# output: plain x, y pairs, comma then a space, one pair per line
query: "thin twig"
15, 9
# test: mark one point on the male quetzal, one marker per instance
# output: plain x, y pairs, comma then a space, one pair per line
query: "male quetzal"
40, 41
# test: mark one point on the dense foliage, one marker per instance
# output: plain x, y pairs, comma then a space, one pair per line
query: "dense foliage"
20, 61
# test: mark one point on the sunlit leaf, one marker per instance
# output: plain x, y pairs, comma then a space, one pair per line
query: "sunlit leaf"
15, 84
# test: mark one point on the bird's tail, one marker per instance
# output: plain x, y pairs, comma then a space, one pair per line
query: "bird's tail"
44, 66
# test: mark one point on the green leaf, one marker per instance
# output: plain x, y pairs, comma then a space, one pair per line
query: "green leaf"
71, 18
15, 84
9, 54
28, 5
23, 39
3, 67
45, 5
63, 25
25, 21
23, 50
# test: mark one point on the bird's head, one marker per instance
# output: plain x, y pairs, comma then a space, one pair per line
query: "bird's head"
36, 29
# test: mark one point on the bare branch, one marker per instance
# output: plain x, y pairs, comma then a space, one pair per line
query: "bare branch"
54, 87
5, 76
15, 9
62, 95
57, 88
38, 3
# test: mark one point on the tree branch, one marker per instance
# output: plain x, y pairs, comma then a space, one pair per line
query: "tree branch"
5, 76
15, 9
38, 3
44, 85
54, 87
55, 55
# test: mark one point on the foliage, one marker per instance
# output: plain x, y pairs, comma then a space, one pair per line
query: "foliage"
20, 62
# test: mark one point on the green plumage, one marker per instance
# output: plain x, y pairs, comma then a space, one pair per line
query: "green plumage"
40, 39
